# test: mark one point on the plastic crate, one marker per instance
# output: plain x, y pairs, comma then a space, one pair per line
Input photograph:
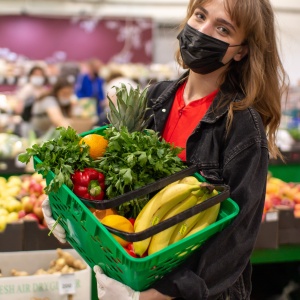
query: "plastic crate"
97, 246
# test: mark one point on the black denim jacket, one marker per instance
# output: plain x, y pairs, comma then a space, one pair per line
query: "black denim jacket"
221, 268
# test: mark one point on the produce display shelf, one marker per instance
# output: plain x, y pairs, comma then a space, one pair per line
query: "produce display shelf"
285, 253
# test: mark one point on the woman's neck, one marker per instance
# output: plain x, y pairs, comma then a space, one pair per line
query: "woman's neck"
199, 86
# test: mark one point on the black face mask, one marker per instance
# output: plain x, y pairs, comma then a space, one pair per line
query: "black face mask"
202, 53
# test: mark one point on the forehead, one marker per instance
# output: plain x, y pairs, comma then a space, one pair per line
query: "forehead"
66, 89
232, 8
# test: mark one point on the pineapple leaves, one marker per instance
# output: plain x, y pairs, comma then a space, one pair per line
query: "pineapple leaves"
130, 108
135, 156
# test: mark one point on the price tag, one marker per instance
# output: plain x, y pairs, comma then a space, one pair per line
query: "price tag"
272, 216
67, 284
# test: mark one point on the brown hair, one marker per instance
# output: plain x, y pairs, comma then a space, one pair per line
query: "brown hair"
260, 75
61, 83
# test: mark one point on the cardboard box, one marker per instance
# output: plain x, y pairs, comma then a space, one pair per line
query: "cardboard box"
36, 238
289, 228
40, 287
11, 239
268, 232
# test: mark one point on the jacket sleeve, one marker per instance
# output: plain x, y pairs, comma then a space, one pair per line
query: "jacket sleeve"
218, 264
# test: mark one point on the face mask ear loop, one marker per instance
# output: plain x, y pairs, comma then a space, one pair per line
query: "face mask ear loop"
242, 44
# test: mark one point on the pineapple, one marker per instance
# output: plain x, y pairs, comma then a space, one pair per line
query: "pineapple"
129, 110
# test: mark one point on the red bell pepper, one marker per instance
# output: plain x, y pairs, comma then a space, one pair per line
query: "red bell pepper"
132, 220
129, 249
89, 184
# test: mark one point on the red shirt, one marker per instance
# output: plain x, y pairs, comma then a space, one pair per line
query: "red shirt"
183, 119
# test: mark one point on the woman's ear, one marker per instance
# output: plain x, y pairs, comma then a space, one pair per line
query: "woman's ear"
243, 51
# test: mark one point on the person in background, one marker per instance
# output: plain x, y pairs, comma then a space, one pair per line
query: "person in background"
225, 111
35, 86
53, 109
90, 85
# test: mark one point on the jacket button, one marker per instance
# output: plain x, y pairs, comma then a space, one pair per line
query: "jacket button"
163, 110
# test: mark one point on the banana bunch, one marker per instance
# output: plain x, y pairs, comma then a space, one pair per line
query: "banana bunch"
168, 202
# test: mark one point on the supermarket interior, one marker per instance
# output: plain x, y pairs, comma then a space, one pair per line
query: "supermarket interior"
49, 51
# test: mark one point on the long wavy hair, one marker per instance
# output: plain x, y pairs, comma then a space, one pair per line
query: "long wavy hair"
260, 74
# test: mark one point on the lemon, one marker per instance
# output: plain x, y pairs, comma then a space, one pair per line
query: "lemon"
120, 223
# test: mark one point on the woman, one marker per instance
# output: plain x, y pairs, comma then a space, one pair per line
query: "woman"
33, 89
225, 111
53, 108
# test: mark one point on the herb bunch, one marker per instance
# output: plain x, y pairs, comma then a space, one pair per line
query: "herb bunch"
61, 155
133, 160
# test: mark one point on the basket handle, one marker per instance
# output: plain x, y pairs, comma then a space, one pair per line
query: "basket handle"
147, 189
142, 235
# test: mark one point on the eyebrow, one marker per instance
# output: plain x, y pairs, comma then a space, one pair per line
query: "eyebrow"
220, 20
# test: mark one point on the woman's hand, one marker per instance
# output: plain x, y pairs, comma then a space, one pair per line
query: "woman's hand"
109, 289
58, 231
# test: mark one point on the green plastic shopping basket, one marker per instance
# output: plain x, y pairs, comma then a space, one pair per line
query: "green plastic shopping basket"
96, 245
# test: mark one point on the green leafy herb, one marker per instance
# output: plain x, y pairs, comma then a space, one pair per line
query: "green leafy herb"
133, 160
61, 155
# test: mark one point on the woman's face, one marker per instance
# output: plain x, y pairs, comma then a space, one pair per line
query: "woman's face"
212, 19
64, 95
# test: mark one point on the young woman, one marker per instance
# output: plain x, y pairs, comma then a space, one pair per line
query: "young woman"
53, 108
33, 88
224, 111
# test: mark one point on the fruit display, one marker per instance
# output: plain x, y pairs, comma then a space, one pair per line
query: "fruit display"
21, 197
282, 195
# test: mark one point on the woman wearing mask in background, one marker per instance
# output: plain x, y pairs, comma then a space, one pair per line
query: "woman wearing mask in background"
53, 108
33, 89
224, 111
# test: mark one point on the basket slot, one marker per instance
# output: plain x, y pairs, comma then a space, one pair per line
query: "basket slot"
147, 189
142, 235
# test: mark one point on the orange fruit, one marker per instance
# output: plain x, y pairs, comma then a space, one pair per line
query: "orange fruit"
120, 223
100, 214
97, 144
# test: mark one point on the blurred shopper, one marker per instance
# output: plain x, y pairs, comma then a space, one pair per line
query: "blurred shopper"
225, 111
54, 108
32, 89
90, 85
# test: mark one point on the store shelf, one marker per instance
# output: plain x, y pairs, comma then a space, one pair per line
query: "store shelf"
285, 253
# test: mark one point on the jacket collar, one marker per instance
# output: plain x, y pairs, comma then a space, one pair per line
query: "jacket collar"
214, 112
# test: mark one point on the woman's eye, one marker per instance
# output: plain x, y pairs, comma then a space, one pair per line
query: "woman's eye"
200, 16
223, 30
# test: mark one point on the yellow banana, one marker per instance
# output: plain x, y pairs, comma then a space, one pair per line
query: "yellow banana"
160, 213
170, 196
210, 216
161, 239
148, 208
183, 228
189, 180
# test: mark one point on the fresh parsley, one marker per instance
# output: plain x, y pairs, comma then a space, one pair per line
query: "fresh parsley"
133, 160
61, 155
